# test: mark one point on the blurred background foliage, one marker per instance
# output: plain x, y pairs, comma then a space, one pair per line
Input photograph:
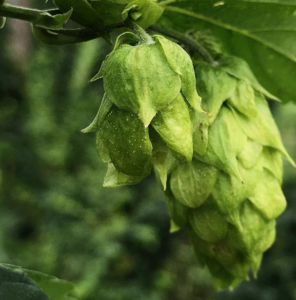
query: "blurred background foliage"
56, 217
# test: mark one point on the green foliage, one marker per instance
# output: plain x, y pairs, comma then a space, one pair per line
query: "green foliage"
261, 32
19, 284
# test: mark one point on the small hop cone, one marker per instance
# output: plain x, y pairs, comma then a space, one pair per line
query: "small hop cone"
229, 195
146, 116
144, 77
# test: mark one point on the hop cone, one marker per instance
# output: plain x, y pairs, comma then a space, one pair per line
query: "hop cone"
229, 195
147, 108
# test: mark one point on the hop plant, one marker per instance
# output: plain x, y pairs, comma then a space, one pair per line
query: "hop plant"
229, 195
147, 104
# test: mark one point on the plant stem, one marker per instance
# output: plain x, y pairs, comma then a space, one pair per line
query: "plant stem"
140, 32
187, 40
20, 13
72, 36
55, 37
62, 37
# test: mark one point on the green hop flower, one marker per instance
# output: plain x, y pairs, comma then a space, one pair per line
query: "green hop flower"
144, 78
229, 195
146, 114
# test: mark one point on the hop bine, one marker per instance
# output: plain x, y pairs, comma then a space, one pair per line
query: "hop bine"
221, 170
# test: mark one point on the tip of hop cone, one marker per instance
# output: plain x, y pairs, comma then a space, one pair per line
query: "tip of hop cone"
146, 115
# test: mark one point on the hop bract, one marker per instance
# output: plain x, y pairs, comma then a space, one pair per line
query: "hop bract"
150, 96
229, 195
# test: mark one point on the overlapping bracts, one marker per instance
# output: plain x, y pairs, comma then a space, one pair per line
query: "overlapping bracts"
221, 170
147, 110
229, 196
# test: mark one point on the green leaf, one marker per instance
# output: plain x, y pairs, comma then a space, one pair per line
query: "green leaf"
56, 289
109, 10
16, 285
83, 13
21, 284
261, 32
55, 22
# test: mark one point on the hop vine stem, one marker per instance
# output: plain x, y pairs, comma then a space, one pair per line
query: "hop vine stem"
20, 13
141, 33
67, 36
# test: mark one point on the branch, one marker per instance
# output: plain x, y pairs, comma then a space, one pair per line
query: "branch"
72, 36
20, 13
55, 37
140, 32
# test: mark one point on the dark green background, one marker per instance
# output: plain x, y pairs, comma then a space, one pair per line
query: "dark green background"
56, 217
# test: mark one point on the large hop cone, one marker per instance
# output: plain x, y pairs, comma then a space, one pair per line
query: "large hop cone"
229, 195
147, 108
